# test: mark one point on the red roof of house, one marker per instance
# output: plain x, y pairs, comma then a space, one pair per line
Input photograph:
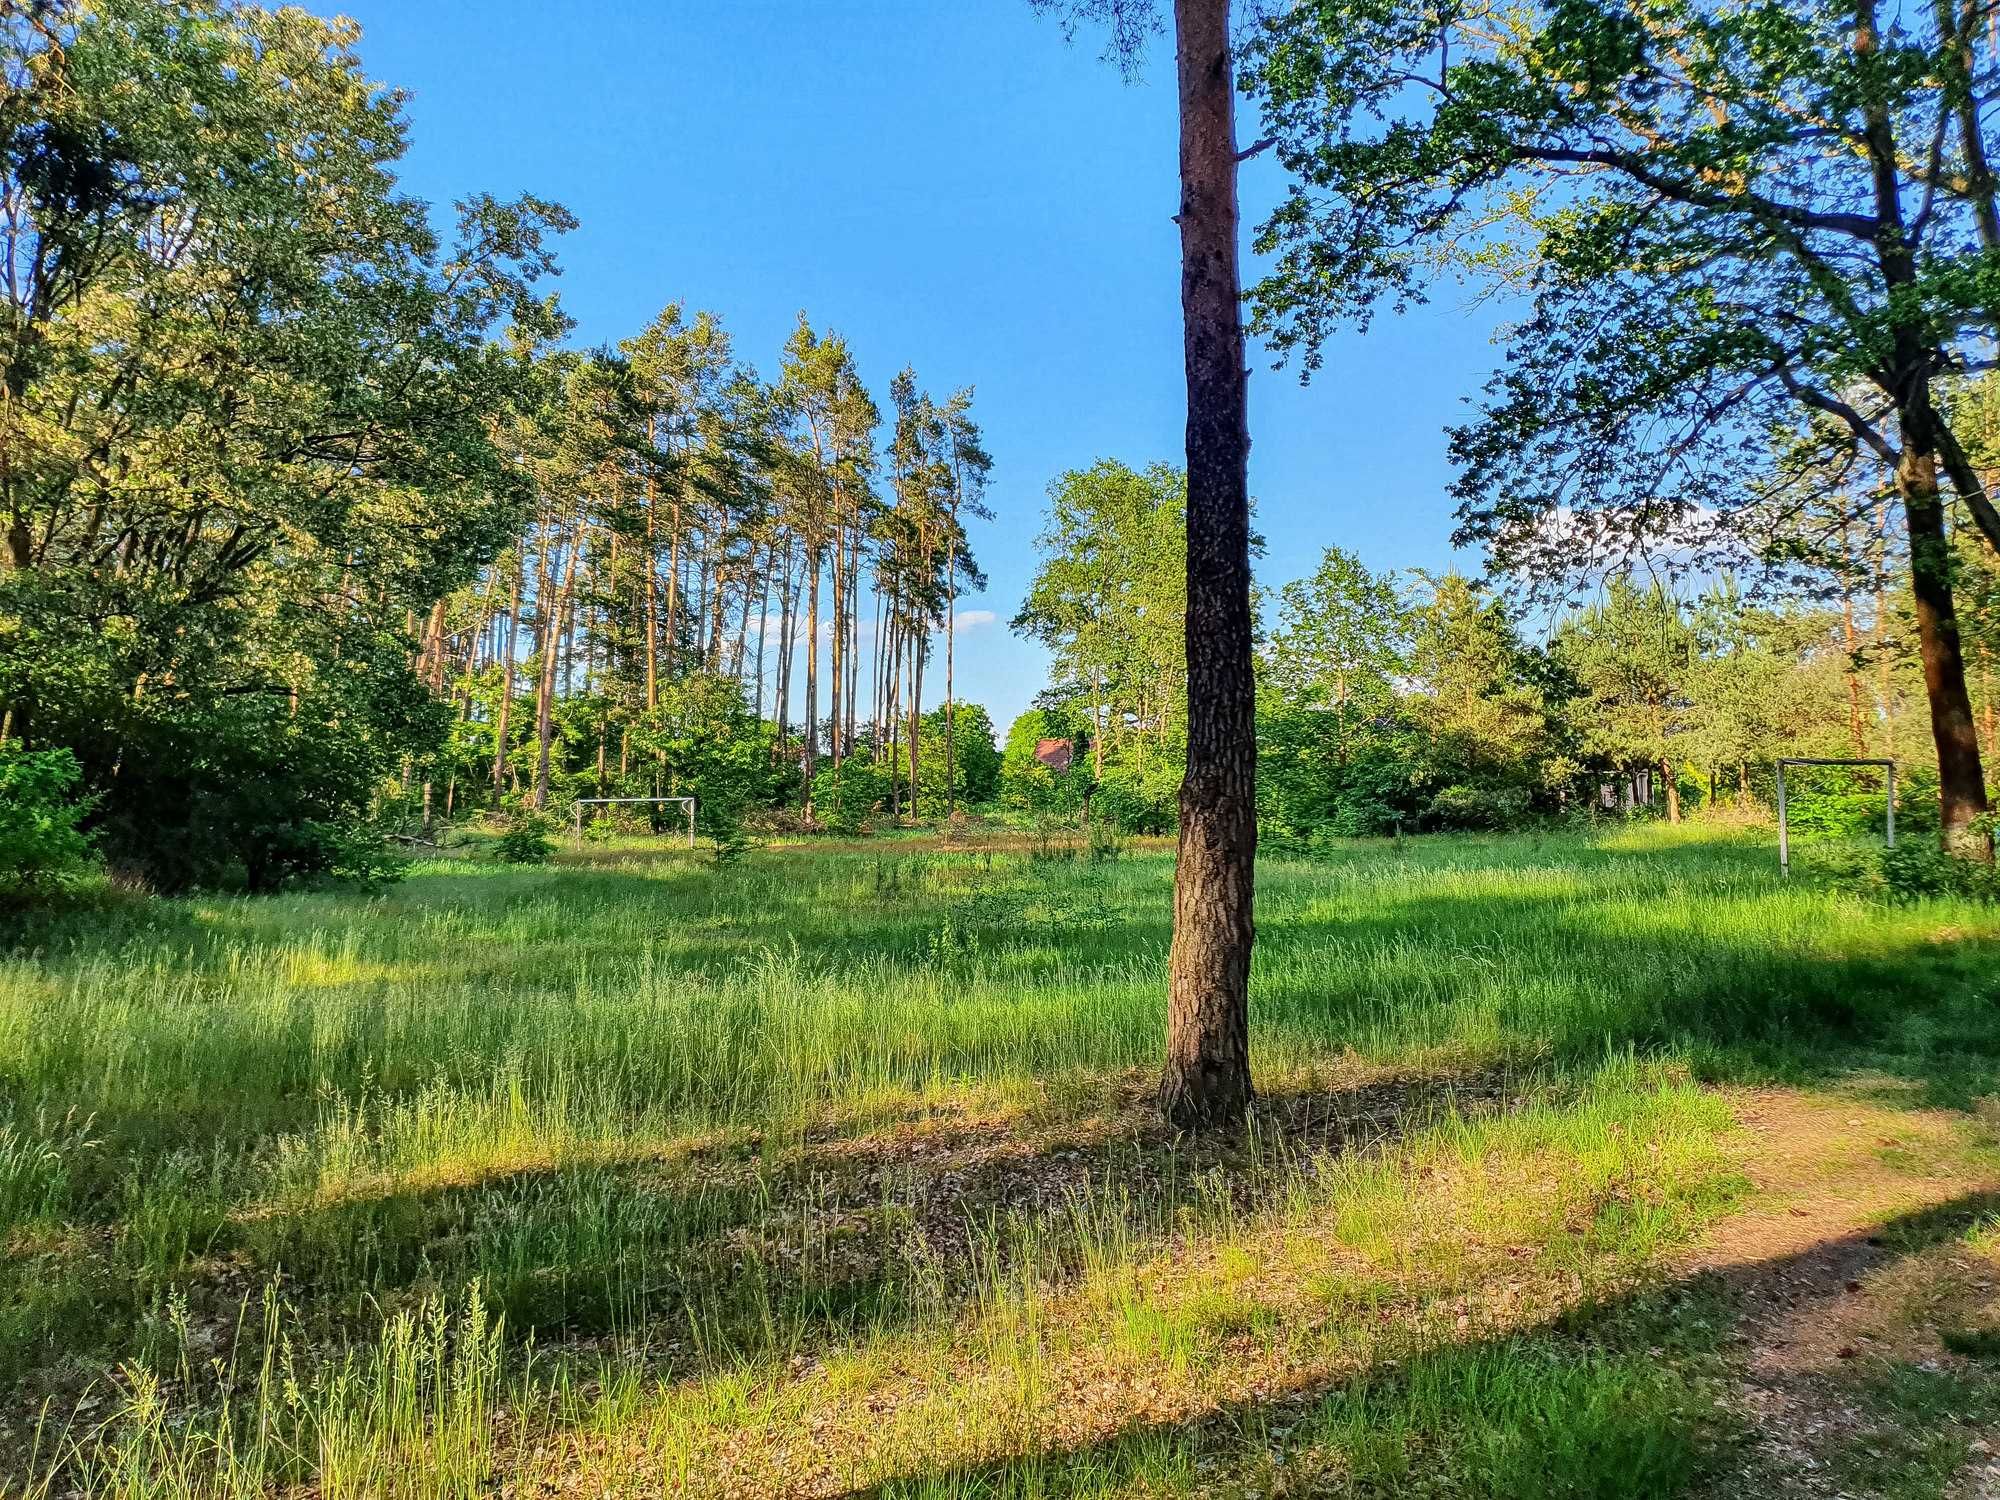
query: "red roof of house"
1055, 754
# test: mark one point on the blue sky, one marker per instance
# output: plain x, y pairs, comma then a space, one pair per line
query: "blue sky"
950, 185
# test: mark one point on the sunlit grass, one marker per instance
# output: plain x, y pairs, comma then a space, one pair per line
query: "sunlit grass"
833, 1168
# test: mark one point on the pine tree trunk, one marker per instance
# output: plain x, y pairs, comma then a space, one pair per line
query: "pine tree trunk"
875, 680
545, 689
837, 655
740, 657
1673, 785
787, 604
811, 750
671, 629
1207, 1077
892, 704
507, 680
950, 700
916, 713
854, 631
764, 620
652, 576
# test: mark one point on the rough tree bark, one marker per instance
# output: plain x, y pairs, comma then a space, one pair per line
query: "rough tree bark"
1207, 1077
1961, 780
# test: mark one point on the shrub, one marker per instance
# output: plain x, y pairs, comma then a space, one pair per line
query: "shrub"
845, 798
1363, 817
1845, 813
525, 841
361, 853
1917, 870
1140, 798
41, 844
731, 844
1479, 807
1106, 842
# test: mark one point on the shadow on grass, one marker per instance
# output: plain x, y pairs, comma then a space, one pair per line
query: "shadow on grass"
741, 1250
1630, 1396
762, 1247
810, 1247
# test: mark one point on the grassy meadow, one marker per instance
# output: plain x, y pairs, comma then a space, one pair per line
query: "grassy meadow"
1583, 1166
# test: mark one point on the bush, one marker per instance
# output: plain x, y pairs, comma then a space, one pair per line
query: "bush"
1918, 870
1844, 813
362, 854
731, 844
1106, 843
525, 841
1479, 807
1140, 799
41, 844
845, 799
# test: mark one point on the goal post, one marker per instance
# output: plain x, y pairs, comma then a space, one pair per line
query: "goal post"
577, 807
1784, 826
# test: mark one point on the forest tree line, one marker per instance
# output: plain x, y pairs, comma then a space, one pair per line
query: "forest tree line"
727, 589
315, 523
1417, 700
308, 508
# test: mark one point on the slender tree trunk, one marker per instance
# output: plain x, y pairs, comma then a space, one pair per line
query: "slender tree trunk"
671, 629
1884, 685
875, 681
1673, 785
892, 701
739, 657
1207, 1076
505, 708
1856, 730
1856, 727
950, 700
545, 690
787, 604
434, 677
837, 655
652, 574
764, 619
718, 619
809, 759
1097, 724
917, 645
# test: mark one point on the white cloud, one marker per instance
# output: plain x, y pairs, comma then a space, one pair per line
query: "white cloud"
972, 619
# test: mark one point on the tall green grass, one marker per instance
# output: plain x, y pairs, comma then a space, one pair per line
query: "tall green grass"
298, 1179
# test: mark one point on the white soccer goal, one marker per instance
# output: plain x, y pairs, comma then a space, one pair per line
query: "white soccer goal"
577, 807
1784, 826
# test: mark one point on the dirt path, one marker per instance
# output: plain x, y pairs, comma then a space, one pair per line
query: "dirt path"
1859, 1265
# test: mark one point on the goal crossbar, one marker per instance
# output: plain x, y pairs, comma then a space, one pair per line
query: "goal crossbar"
1784, 827
579, 804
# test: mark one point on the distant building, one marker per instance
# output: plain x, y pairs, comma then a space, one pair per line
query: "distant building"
1055, 754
